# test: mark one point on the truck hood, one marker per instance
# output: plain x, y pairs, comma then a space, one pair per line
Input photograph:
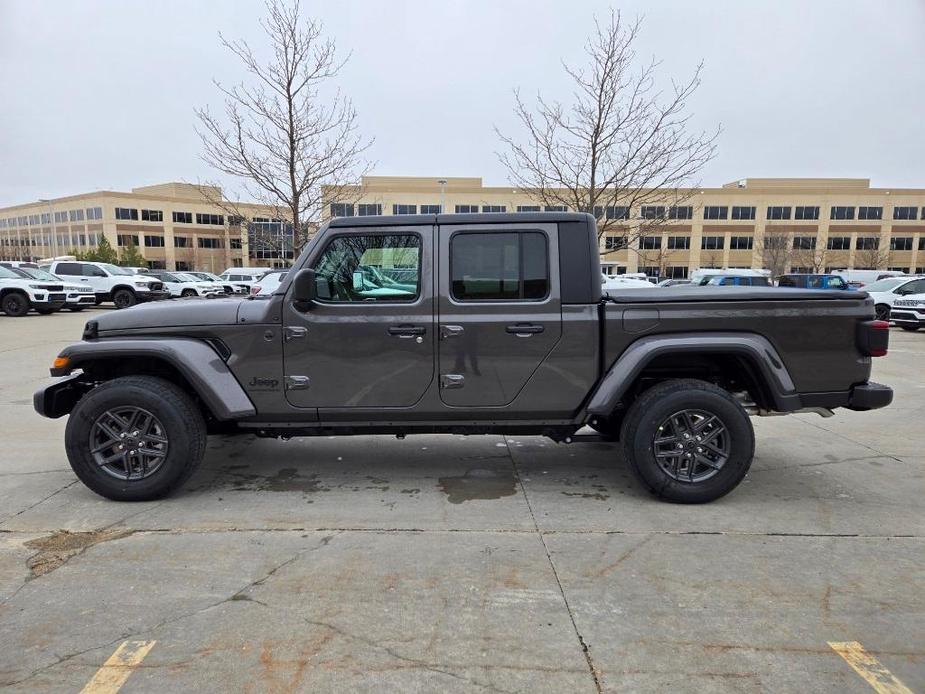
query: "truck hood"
171, 313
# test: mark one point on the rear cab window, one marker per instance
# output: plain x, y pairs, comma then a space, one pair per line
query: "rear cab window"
499, 266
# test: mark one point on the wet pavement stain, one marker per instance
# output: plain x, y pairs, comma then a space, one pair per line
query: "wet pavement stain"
478, 484
285, 480
56, 549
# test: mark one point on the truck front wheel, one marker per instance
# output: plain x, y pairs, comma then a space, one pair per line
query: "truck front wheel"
688, 441
135, 438
123, 298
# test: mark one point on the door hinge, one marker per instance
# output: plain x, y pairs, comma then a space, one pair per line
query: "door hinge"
448, 331
297, 382
294, 333
449, 381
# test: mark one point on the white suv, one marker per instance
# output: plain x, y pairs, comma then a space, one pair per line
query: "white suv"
888, 291
180, 284
109, 282
909, 311
19, 294
79, 296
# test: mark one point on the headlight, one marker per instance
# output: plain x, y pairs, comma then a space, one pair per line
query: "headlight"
204, 286
36, 286
142, 284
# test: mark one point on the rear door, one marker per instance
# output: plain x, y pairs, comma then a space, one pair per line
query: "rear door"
499, 309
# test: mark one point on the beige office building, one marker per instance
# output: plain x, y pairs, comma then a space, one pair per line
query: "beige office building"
174, 225
818, 224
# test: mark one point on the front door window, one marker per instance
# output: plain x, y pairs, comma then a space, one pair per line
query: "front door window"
370, 268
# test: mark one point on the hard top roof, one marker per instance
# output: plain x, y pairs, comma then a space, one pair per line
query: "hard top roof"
472, 218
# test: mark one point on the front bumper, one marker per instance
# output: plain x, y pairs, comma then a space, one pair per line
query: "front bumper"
58, 399
81, 299
152, 295
902, 315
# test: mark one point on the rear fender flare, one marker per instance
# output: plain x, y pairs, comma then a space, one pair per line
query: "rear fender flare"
756, 348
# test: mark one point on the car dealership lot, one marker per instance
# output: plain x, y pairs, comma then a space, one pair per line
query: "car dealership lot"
452, 563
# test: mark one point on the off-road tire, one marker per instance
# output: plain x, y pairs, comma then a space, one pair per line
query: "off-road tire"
658, 404
182, 420
15, 304
124, 298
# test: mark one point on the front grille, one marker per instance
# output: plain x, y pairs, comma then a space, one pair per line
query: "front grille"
57, 297
910, 303
157, 286
53, 287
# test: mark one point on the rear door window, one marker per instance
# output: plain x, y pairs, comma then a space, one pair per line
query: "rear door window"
506, 266
68, 269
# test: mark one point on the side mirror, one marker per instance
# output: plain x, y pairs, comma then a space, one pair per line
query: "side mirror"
304, 289
358, 282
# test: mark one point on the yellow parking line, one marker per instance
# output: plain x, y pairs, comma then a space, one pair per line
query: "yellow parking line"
110, 678
868, 667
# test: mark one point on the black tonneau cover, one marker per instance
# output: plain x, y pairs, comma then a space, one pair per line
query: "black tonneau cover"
688, 293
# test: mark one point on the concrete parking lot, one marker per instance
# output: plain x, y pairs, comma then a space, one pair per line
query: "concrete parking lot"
506, 564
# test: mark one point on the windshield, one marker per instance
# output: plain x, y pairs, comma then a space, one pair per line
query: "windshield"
183, 277
7, 274
115, 270
885, 285
37, 274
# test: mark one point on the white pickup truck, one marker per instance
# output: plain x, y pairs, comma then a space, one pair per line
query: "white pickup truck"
119, 285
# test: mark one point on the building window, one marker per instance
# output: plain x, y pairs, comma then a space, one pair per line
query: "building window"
499, 266
870, 213
650, 242
681, 243
651, 270
615, 212
154, 241
807, 212
867, 243
77, 215
779, 212
715, 212
904, 212
183, 217
152, 216
207, 242
127, 239
804, 243
235, 244
742, 243
46, 219
182, 242
467, 209
841, 212
901, 243
235, 221
368, 209
528, 208
712, 243
921, 243
341, 209
614, 243
681, 212
651, 212
34, 220
556, 208
743, 212
60, 217
432, 209
127, 213
676, 272
494, 208
404, 209
839, 243
207, 218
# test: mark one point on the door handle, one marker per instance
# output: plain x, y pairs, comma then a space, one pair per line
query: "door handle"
525, 330
407, 330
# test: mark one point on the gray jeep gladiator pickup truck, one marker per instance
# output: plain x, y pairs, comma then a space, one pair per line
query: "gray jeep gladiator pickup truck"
471, 324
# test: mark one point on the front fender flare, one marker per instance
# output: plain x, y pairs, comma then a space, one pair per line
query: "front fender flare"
640, 353
196, 361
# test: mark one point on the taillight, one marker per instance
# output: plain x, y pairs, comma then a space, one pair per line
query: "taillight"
874, 337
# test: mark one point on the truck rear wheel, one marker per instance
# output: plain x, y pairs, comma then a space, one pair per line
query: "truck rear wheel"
688, 441
135, 438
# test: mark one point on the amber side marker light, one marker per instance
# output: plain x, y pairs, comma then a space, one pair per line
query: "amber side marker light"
60, 363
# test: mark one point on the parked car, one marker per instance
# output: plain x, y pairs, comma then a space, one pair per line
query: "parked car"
736, 281
476, 344
269, 283
78, 296
179, 284
702, 276
617, 283
861, 278
909, 311
19, 294
673, 283
243, 277
18, 264
209, 277
110, 282
888, 291
812, 281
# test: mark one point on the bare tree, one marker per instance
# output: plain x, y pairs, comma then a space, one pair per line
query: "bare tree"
657, 257
872, 257
620, 143
286, 134
812, 258
777, 253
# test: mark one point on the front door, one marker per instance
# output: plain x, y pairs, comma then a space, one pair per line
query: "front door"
368, 339
499, 310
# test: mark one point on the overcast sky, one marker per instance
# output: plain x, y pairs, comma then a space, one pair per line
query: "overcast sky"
100, 95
